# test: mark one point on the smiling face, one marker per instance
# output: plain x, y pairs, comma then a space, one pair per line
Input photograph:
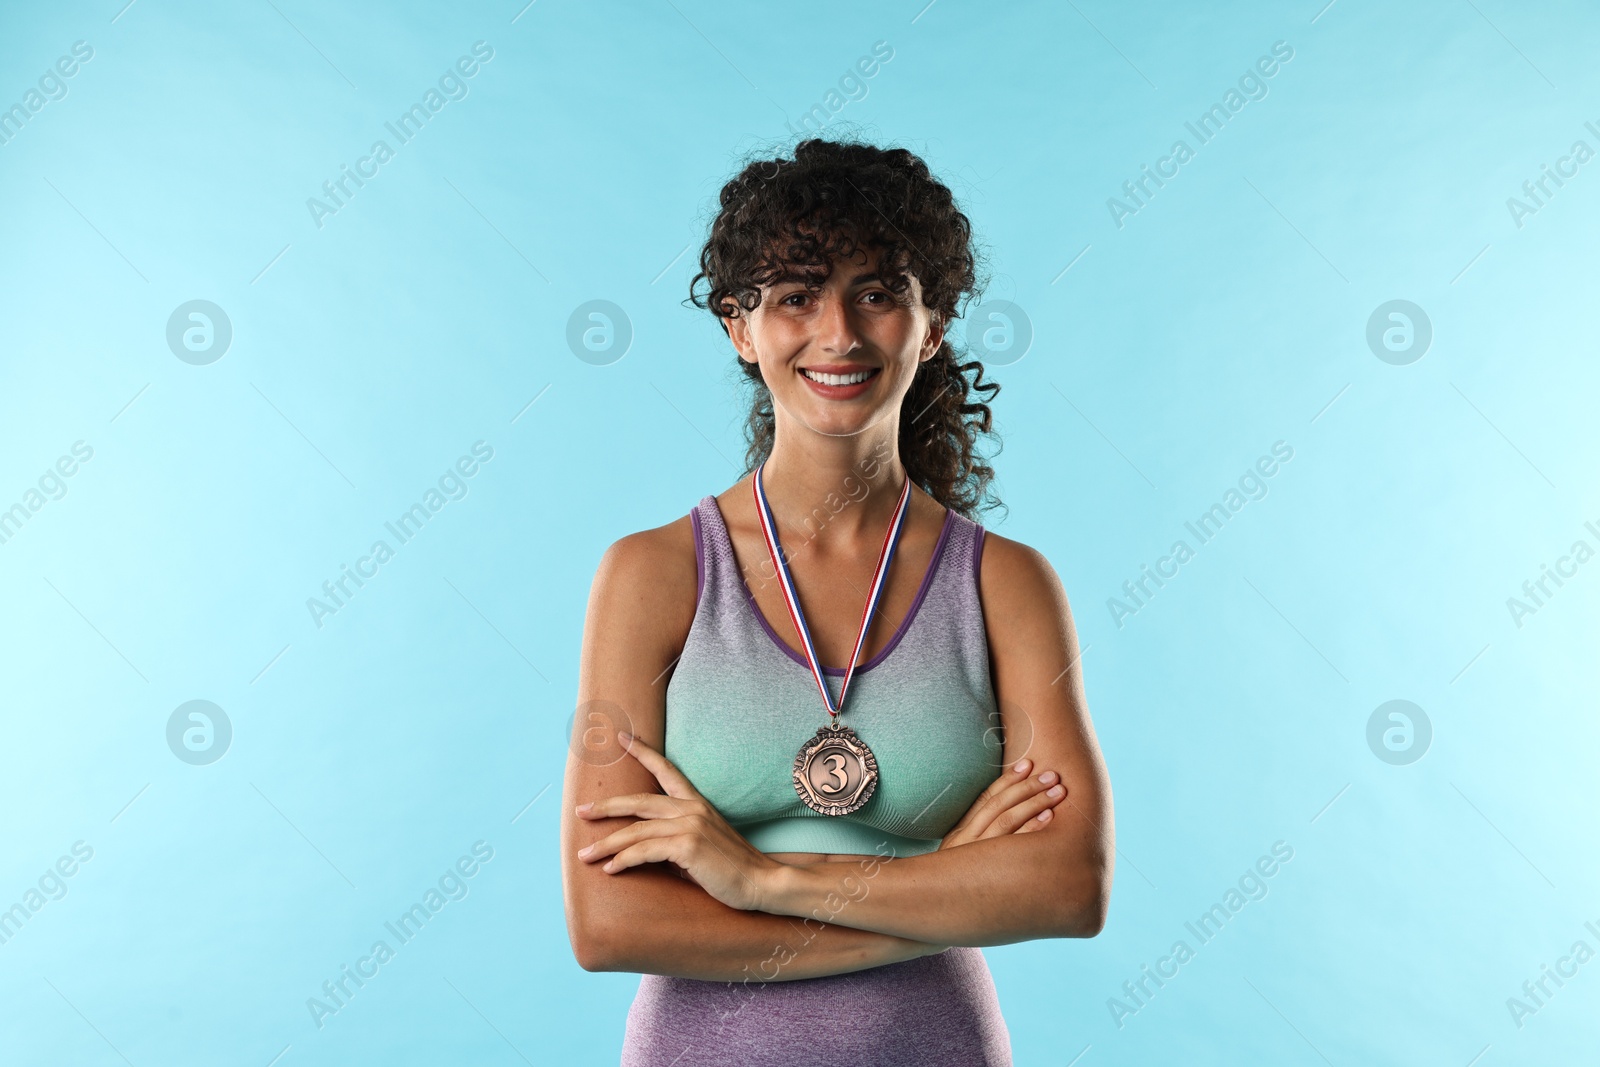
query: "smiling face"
840, 358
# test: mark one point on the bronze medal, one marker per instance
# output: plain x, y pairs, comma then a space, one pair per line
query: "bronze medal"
835, 773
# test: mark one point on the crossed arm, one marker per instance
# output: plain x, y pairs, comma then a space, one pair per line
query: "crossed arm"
788, 921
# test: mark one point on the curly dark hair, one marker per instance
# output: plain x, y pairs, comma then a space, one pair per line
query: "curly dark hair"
832, 199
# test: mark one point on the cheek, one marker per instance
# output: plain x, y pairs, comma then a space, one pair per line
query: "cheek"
899, 337
908, 375
777, 339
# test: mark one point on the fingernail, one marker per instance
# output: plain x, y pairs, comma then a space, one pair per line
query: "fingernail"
1047, 777
1021, 766
581, 808
1044, 816
625, 737
585, 850
1054, 791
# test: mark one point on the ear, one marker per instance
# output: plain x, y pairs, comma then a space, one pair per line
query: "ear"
738, 329
931, 343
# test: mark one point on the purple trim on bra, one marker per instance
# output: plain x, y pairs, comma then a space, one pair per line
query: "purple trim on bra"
838, 672
699, 558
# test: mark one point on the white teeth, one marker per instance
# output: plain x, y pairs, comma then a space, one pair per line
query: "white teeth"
837, 379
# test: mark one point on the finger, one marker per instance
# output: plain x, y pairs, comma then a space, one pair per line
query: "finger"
1023, 790
630, 835
1038, 822
1010, 776
642, 805
1013, 818
672, 780
982, 809
1012, 795
656, 850
1013, 774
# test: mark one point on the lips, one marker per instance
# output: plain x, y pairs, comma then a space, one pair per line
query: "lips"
839, 381
831, 376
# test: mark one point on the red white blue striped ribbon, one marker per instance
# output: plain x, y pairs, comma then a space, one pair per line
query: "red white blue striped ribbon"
791, 598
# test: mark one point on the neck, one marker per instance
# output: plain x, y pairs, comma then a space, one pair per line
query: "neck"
833, 488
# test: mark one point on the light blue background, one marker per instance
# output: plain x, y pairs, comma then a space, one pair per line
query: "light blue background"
370, 353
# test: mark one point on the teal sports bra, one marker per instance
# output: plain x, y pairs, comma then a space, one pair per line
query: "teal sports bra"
741, 702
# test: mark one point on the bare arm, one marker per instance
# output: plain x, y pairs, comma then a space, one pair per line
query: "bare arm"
1055, 882
649, 919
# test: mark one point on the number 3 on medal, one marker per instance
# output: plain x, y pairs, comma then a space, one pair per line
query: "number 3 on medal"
836, 762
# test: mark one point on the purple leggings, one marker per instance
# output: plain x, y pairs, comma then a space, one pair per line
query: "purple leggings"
933, 1011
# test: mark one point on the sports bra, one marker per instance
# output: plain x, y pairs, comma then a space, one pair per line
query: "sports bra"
741, 702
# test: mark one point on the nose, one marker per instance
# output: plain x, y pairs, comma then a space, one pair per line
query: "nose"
836, 328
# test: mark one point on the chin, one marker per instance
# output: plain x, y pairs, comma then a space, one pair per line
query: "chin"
837, 423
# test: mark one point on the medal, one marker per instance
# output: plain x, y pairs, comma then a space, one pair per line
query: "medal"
835, 772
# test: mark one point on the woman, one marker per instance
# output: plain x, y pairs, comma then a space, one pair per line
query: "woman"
813, 705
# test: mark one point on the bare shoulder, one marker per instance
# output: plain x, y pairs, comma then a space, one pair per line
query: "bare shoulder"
1015, 578
642, 601
663, 553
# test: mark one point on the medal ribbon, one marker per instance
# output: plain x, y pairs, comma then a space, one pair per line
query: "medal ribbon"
791, 598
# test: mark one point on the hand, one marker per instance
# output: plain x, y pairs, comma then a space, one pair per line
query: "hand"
1013, 804
680, 828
